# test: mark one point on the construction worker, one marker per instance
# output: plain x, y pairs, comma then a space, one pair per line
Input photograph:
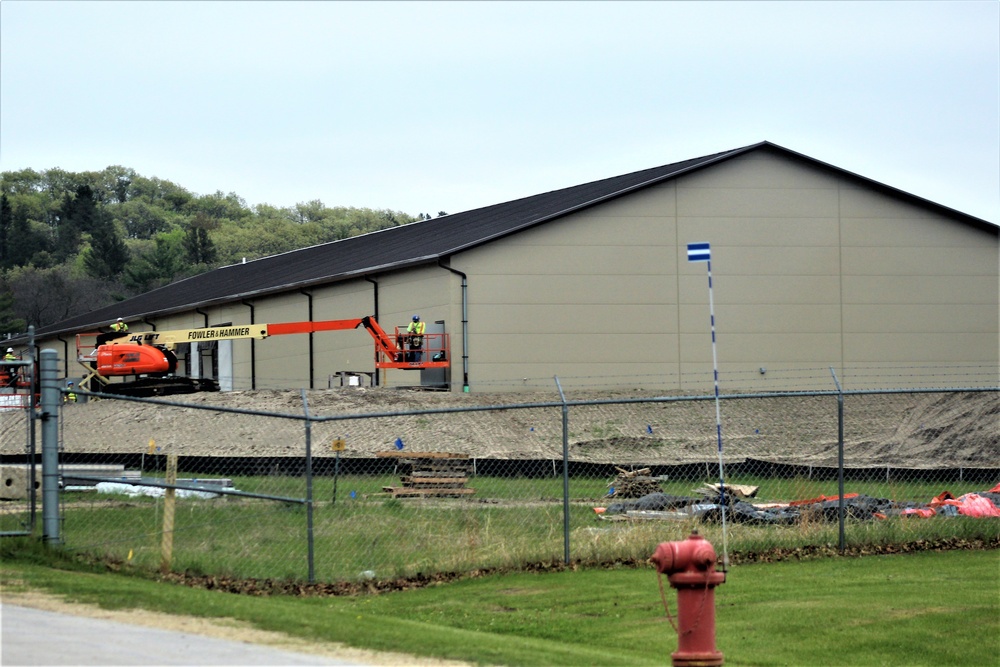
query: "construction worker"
118, 329
8, 375
70, 396
415, 332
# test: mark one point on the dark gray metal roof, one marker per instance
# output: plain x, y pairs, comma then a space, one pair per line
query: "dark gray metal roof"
416, 243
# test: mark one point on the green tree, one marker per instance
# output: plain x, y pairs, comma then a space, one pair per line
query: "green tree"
6, 228
140, 218
78, 214
220, 207
47, 296
24, 243
197, 242
159, 266
9, 323
108, 254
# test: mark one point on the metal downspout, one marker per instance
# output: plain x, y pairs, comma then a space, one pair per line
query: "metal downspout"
197, 351
465, 324
312, 367
253, 348
375, 315
65, 356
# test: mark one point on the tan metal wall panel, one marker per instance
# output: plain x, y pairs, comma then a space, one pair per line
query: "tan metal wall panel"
749, 233
917, 348
336, 351
787, 290
761, 349
546, 348
910, 232
857, 201
919, 261
569, 289
791, 261
763, 318
575, 258
923, 289
760, 170
920, 318
575, 321
282, 361
740, 202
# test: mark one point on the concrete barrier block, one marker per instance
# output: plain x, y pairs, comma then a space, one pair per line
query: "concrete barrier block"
14, 482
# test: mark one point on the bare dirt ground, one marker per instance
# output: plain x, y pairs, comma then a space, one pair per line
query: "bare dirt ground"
901, 430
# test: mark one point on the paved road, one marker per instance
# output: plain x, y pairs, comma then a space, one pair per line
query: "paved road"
35, 637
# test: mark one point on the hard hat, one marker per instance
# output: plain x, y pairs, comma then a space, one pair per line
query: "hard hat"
119, 319
70, 384
10, 349
416, 318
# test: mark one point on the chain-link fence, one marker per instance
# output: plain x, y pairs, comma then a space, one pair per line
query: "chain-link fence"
20, 478
355, 484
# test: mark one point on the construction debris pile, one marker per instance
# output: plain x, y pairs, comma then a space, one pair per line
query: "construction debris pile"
707, 507
634, 483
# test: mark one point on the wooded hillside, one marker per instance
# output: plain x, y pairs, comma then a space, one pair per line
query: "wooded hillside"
72, 242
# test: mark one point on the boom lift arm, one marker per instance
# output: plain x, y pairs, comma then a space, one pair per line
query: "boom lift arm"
151, 353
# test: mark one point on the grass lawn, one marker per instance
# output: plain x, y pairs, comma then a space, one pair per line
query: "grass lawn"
927, 608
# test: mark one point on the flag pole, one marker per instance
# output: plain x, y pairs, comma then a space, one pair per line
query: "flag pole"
701, 252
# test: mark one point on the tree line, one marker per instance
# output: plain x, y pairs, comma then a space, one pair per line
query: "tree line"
72, 242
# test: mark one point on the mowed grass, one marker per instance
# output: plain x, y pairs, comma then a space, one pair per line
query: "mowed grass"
926, 608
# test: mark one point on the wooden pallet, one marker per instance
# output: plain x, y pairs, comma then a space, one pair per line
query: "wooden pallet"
410, 492
441, 474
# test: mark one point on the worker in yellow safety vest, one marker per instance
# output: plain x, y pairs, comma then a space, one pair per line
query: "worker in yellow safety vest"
415, 333
118, 329
8, 375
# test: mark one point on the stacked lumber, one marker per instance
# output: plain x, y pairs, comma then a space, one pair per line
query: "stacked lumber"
633, 484
434, 474
737, 490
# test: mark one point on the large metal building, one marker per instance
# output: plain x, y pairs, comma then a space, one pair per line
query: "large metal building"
813, 268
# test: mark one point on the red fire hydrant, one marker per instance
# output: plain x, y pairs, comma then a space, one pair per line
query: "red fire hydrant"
690, 568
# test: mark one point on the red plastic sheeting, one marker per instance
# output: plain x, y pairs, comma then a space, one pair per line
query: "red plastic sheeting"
973, 504
925, 512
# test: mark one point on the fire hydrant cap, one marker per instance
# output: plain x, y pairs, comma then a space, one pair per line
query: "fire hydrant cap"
693, 554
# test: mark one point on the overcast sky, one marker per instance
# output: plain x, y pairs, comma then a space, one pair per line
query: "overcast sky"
428, 106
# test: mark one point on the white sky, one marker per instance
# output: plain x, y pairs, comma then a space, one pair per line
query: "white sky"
429, 106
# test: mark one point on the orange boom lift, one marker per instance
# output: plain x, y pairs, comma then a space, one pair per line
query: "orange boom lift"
148, 356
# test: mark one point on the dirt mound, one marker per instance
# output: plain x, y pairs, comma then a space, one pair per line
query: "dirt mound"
902, 430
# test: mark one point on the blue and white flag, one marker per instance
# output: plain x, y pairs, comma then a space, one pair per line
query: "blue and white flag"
698, 252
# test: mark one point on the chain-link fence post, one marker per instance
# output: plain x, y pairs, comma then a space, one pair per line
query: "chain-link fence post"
841, 510
50, 445
565, 455
310, 538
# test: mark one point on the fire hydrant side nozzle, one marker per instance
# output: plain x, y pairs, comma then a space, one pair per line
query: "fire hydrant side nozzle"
690, 568
693, 554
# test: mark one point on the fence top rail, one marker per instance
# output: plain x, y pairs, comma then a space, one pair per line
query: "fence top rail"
181, 486
306, 416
